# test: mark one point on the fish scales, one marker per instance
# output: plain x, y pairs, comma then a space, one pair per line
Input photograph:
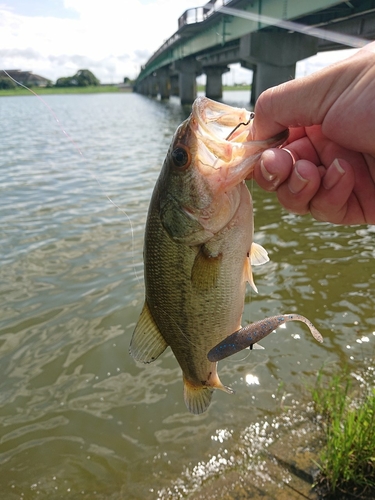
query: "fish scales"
198, 247
182, 304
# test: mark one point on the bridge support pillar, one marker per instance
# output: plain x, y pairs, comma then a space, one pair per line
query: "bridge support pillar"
188, 70
152, 85
269, 75
275, 55
214, 84
144, 87
175, 88
163, 83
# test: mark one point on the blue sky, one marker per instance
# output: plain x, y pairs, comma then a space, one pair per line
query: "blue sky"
55, 38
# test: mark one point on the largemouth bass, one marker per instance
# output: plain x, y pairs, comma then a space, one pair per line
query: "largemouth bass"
198, 246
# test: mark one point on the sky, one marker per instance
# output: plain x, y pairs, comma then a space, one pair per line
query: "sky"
111, 38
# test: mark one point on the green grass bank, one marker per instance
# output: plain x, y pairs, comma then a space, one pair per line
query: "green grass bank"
99, 89
90, 90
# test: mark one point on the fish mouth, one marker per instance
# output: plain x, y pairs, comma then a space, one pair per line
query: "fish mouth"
226, 150
222, 121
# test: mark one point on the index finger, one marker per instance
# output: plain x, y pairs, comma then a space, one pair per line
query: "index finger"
292, 104
306, 101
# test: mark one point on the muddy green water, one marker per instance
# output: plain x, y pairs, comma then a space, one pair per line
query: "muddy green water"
78, 417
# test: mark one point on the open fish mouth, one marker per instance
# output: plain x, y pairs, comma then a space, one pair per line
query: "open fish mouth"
225, 140
221, 121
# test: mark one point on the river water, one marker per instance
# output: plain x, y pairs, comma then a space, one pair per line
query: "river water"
78, 417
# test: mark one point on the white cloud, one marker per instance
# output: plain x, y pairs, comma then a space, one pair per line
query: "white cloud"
111, 39
319, 61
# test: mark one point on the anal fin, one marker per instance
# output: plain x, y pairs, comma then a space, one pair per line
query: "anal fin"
147, 342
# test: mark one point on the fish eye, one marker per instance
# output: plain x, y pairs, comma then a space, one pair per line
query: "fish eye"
180, 157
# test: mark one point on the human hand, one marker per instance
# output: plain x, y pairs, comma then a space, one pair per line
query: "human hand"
327, 166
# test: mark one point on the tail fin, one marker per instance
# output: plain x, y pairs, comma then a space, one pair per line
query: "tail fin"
198, 398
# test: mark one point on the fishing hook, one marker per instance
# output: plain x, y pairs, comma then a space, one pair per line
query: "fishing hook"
242, 123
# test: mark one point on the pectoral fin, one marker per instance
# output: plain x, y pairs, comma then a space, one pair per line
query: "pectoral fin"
147, 342
206, 269
258, 255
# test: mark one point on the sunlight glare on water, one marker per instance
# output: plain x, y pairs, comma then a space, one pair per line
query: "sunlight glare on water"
79, 418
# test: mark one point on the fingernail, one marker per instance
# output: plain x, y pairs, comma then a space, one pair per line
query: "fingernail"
334, 173
267, 175
296, 182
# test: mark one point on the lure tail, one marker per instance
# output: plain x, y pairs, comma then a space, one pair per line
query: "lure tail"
250, 334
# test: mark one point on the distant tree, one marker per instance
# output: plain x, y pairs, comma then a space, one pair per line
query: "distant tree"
6, 83
83, 78
127, 80
64, 81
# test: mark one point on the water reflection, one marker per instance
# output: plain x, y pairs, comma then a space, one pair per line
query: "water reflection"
77, 415
252, 379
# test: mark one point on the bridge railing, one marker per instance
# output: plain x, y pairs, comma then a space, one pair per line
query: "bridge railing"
199, 14
190, 16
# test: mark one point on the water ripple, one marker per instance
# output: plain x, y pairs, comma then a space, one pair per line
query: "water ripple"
78, 416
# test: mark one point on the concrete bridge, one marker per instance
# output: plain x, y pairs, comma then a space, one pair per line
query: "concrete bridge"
266, 36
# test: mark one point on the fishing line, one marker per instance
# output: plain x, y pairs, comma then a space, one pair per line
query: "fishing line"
344, 39
341, 38
251, 181
79, 151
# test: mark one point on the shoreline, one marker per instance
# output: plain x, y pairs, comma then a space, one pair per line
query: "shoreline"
18, 91
100, 89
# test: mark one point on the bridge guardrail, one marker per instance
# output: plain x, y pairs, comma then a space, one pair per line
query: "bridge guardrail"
190, 16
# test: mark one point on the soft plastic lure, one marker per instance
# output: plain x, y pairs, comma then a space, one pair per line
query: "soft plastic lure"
254, 332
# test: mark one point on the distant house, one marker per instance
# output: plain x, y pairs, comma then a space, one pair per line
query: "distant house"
27, 78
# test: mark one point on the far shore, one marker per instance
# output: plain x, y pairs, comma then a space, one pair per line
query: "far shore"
91, 90
99, 89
